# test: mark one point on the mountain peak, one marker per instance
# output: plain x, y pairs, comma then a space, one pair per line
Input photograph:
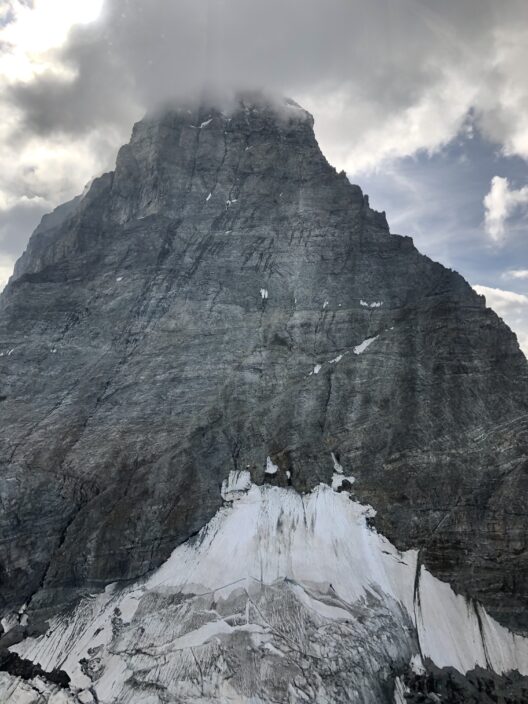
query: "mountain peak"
219, 371
201, 163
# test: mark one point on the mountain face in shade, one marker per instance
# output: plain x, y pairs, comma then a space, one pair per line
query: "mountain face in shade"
255, 448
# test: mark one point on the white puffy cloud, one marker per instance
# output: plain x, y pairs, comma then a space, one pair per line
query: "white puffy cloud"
515, 274
500, 204
503, 301
511, 307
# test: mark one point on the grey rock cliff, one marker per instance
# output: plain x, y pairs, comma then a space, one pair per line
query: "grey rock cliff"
204, 307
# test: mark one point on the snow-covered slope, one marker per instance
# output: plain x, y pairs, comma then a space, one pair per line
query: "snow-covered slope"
280, 597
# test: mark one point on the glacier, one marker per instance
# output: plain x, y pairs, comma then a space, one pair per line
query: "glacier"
282, 596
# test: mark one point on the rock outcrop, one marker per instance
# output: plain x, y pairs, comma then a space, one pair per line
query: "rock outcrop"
225, 301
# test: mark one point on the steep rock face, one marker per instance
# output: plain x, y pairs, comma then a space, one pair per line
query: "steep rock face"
224, 300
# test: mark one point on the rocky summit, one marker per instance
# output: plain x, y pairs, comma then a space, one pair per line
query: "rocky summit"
254, 447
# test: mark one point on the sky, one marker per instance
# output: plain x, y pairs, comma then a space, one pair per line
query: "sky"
424, 103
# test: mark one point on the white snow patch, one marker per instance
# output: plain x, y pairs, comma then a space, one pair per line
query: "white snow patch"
337, 467
416, 665
207, 122
115, 674
273, 533
128, 606
271, 468
201, 635
237, 483
9, 622
359, 349
85, 697
119, 278
337, 359
450, 634
264, 293
325, 610
375, 304
325, 304
338, 479
209, 196
400, 690
317, 369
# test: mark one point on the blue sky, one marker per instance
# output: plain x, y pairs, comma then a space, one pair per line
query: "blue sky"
438, 199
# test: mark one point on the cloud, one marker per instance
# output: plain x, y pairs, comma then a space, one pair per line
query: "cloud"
515, 274
502, 301
38, 171
382, 81
500, 204
511, 307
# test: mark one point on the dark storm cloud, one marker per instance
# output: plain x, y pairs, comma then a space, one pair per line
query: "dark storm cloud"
381, 55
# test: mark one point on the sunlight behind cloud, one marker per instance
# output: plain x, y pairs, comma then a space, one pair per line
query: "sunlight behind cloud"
30, 32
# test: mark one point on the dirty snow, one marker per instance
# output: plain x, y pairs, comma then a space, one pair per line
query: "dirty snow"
338, 479
337, 467
337, 359
400, 690
238, 482
271, 468
359, 349
375, 304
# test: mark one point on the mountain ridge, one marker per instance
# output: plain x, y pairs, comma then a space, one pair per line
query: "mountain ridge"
226, 301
